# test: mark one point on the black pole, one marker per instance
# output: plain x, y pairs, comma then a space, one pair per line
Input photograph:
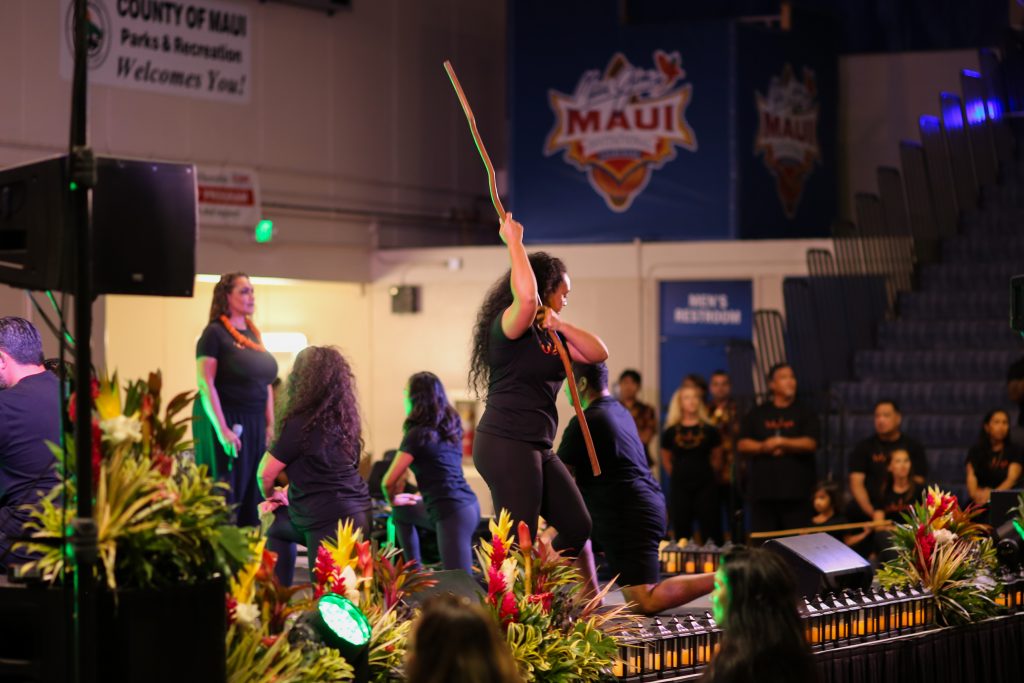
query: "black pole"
82, 176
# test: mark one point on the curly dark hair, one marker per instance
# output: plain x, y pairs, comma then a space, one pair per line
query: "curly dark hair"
322, 391
219, 305
763, 638
549, 272
431, 409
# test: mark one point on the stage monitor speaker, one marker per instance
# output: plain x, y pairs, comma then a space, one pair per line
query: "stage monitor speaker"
450, 581
822, 563
145, 225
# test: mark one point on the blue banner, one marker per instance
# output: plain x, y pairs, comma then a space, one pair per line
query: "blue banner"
712, 308
700, 130
618, 131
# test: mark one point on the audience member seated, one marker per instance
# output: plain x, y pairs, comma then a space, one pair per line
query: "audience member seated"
899, 491
755, 605
643, 414
454, 641
827, 503
994, 462
780, 437
625, 503
869, 461
691, 454
29, 417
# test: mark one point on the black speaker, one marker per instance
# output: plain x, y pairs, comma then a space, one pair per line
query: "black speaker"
405, 299
450, 581
822, 563
145, 225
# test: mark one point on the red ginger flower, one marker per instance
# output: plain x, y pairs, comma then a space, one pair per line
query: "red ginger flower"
926, 545
544, 599
508, 611
495, 584
231, 604
498, 553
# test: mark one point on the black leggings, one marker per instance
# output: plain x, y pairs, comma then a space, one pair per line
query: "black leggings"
700, 504
454, 533
528, 482
284, 533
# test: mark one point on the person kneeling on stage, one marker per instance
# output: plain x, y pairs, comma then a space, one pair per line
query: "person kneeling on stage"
625, 503
29, 417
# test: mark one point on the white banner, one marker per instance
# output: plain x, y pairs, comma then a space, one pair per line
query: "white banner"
198, 48
228, 196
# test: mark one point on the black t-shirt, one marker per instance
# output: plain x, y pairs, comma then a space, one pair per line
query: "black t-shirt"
243, 374
323, 476
526, 374
438, 468
29, 417
894, 504
691, 454
871, 457
1016, 372
625, 499
790, 476
990, 468
834, 519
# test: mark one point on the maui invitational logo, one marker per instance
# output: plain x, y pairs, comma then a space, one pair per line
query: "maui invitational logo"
787, 134
620, 126
97, 30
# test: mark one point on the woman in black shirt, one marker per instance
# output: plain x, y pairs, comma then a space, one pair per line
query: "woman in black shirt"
319, 450
994, 462
691, 453
233, 420
432, 448
513, 357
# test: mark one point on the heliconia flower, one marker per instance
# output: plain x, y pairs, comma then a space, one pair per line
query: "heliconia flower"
498, 553
147, 406
230, 605
495, 584
268, 641
508, 610
926, 545
108, 398
365, 559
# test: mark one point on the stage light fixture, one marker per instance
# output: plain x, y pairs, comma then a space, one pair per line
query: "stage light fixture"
343, 626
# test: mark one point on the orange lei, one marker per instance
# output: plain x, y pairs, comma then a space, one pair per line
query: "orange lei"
241, 338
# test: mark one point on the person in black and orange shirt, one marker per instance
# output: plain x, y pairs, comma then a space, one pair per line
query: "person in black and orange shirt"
869, 461
899, 491
994, 462
691, 453
643, 413
780, 437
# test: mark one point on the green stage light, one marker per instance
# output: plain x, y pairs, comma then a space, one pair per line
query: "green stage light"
264, 231
344, 621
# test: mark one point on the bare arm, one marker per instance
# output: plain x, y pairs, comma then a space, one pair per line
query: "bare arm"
206, 371
1012, 476
750, 446
584, 346
394, 479
270, 415
666, 461
977, 493
797, 444
860, 493
270, 467
518, 317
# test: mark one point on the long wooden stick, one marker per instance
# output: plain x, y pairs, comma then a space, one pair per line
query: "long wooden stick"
500, 210
851, 526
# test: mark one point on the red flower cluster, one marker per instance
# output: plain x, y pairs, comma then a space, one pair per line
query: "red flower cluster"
231, 604
327, 574
544, 599
926, 546
499, 594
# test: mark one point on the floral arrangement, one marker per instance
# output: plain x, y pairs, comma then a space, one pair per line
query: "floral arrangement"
535, 594
161, 520
260, 617
941, 547
376, 581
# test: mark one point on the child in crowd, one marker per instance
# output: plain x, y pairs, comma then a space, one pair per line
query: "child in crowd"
827, 502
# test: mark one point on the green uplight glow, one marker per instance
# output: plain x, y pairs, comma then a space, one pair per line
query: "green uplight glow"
344, 619
1018, 527
73, 185
264, 231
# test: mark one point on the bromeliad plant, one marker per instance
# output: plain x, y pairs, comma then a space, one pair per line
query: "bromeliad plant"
535, 594
941, 547
161, 520
376, 580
